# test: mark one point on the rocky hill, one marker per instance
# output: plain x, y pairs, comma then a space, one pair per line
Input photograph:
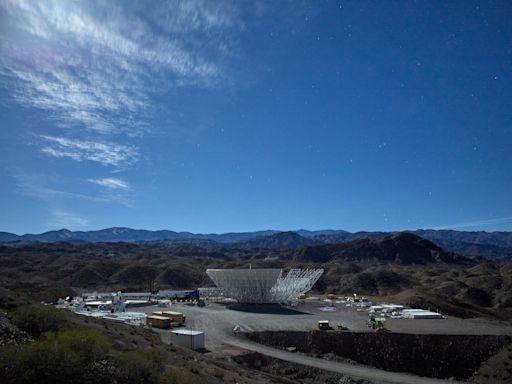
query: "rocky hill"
401, 248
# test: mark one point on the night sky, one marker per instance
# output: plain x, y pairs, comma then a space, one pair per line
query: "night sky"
216, 116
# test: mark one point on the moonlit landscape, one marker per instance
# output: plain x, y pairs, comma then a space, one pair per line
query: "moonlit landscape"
303, 191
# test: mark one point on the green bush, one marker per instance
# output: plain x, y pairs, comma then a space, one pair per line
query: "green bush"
64, 357
36, 319
138, 367
173, 377
81, 357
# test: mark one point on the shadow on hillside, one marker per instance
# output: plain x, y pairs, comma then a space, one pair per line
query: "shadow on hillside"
273, 309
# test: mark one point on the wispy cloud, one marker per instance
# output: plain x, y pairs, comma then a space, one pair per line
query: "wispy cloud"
49, 189
477, 223
111, 183
80, 150
97, 72
64, 219
39, 187
96, 69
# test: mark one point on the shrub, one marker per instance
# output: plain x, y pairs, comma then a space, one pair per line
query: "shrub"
83, 357
65, 357
138, 367
173, 377
36, 319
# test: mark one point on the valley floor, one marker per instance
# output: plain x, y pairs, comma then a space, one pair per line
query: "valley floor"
217, 320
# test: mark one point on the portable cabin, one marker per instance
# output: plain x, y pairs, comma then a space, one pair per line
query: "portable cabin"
188, 338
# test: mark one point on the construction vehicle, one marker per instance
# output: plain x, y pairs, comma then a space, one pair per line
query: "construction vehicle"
375, 323
324, 325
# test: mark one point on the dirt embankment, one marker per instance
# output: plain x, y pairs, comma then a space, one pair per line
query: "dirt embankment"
291, 373
440, 356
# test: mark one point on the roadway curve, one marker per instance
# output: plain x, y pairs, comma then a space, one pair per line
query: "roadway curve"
356, 371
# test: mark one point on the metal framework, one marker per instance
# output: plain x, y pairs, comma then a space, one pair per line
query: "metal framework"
296, 283
266, 285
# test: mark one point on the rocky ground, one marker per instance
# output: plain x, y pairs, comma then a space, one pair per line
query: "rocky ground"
9, 333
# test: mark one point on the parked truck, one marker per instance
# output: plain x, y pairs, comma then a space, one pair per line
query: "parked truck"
324, 325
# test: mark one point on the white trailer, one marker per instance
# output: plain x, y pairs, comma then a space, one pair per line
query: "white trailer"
188, 338
420, 314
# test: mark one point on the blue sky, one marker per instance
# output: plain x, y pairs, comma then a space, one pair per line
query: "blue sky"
215, 116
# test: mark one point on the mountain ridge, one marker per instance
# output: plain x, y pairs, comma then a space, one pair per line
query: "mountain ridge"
494, 245
491, 238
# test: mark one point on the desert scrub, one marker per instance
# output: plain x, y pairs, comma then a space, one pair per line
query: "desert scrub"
78, 356
36, 319
172, 376
144, 367
64, 357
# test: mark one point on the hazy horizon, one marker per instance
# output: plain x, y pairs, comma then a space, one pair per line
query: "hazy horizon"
253, 231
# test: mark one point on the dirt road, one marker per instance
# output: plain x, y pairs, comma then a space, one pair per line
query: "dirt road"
355, 371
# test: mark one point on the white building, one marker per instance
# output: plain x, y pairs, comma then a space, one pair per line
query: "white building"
420, 314
188, 338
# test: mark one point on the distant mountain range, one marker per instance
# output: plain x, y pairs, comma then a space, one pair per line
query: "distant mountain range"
116, 234
495, 245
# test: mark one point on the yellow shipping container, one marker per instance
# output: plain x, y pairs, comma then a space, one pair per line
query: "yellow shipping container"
159, 321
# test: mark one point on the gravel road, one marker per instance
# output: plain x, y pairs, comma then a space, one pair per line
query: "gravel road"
355, 371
